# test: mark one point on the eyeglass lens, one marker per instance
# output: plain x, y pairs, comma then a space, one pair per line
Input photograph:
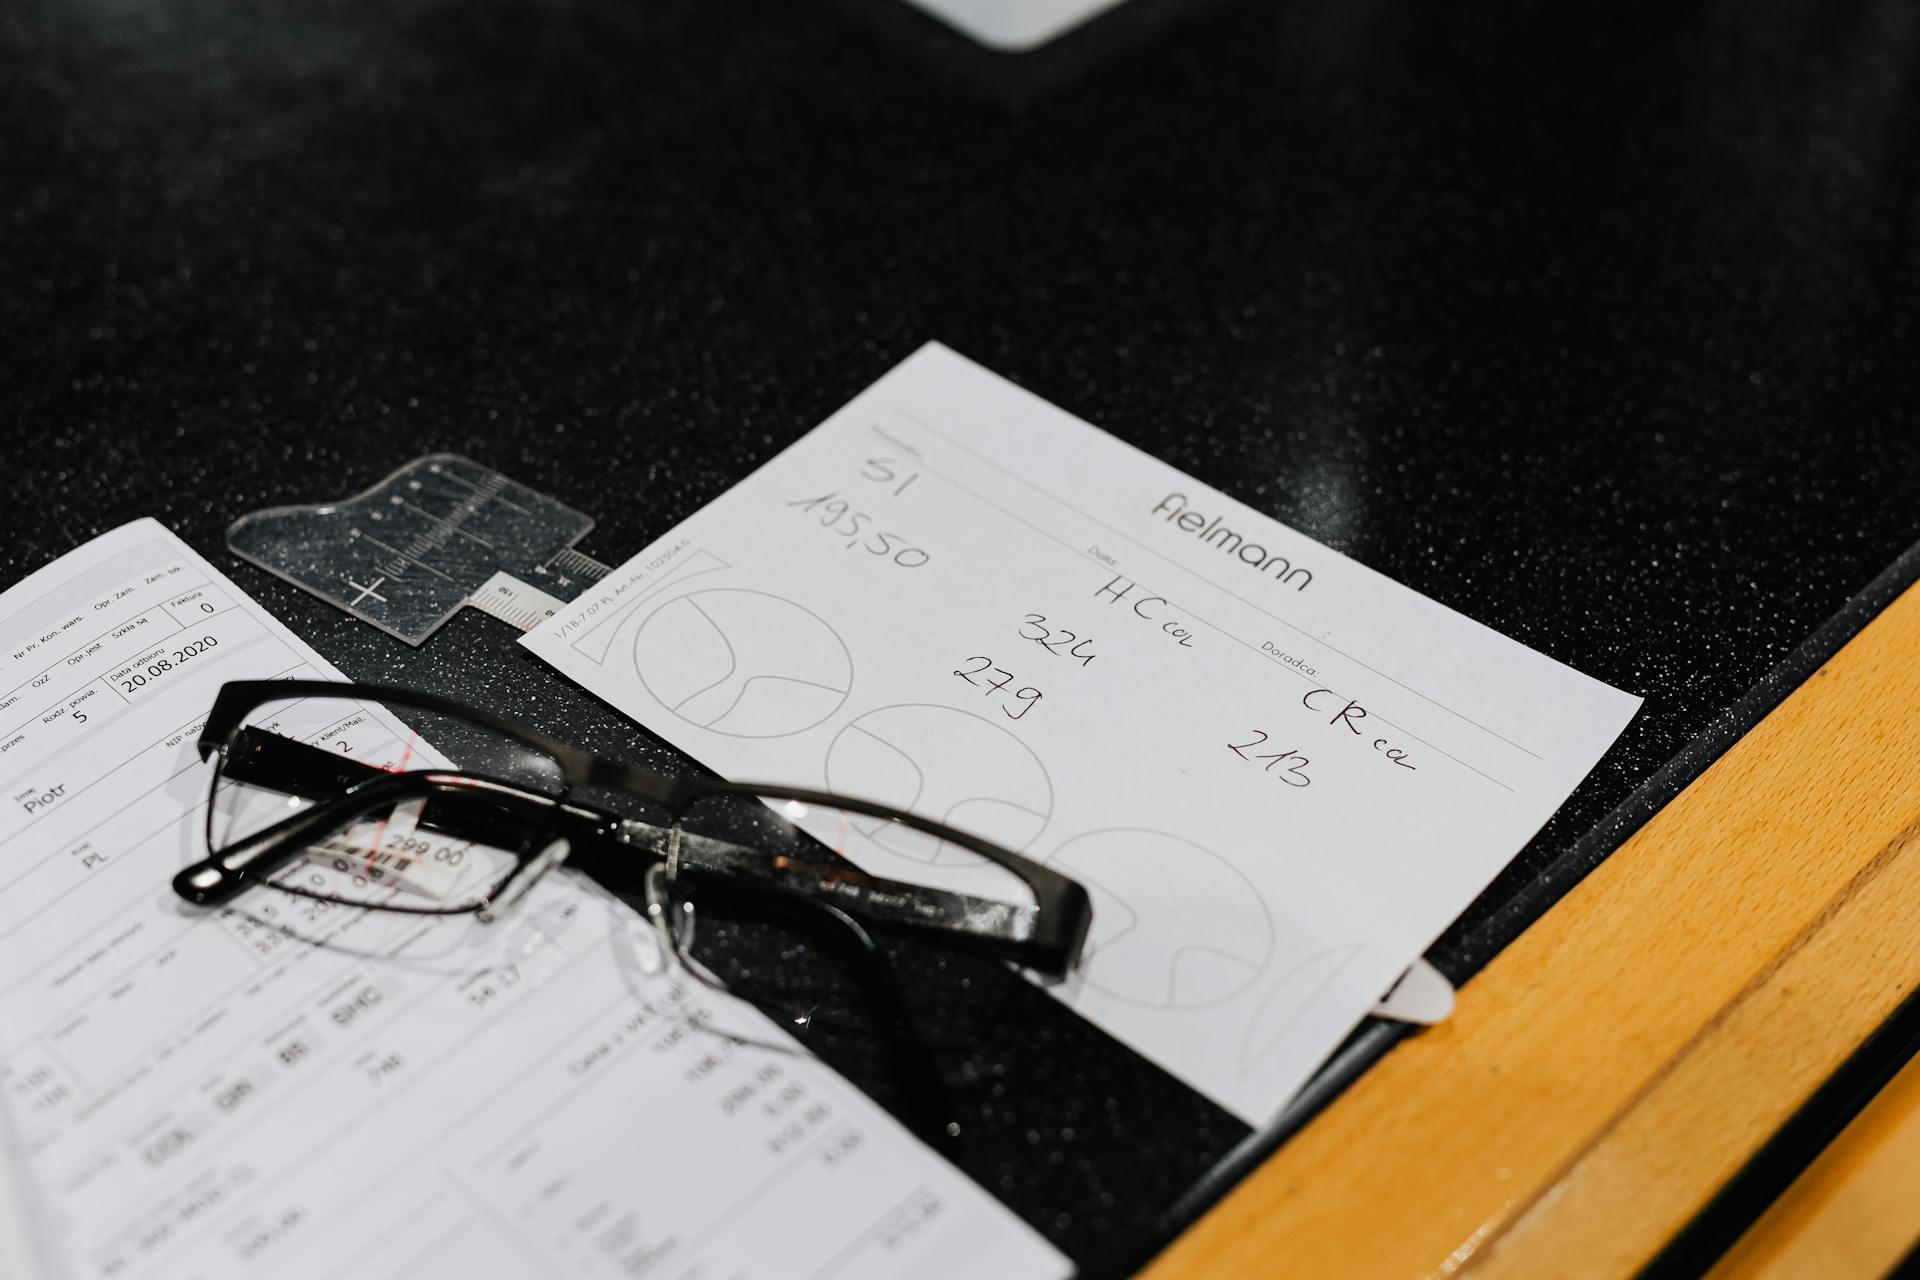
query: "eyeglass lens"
402, 854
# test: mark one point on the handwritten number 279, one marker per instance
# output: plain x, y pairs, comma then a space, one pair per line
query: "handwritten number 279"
1023, 697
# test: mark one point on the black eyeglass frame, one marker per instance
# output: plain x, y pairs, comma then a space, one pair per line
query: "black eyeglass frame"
1047, 937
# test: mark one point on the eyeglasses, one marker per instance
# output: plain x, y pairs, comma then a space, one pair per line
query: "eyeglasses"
312, 794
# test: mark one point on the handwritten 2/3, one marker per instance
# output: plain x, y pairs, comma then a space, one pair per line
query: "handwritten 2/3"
1292, 765
838, 516
1349, 716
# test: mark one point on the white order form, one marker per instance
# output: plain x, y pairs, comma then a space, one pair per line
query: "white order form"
297, 1089
1279, 773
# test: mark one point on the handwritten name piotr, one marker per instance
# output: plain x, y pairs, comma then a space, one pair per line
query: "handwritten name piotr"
1176, 512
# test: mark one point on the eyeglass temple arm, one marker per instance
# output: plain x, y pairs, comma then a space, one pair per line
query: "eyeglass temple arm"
341, 790
1060, 919
220, 876
1046, 940
268, 760
930, 1101
1003, 929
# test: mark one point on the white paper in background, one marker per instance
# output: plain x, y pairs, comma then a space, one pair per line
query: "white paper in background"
292, 1089
1015, 24
1280, 773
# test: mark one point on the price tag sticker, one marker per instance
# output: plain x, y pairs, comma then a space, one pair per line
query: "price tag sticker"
395, 849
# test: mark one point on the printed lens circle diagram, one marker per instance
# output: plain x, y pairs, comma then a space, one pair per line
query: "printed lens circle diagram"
742, 663
1175, 926
941, 763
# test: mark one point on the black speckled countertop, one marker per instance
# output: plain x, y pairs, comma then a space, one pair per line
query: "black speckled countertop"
1599, 327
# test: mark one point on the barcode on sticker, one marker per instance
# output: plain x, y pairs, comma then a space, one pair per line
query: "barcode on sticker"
402, 853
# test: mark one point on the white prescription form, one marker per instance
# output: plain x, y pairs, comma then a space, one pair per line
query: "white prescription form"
1279, 773
286, 1088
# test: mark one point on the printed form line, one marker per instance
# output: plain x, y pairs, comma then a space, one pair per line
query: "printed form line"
160, 640
1056, 539
162, 607
298, 1088
986, 461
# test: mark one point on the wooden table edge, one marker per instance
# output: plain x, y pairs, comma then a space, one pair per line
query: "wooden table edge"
1606, 1073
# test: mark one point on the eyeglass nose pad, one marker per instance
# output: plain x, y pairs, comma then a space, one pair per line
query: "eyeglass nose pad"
683, 928
655, 885
676, 930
